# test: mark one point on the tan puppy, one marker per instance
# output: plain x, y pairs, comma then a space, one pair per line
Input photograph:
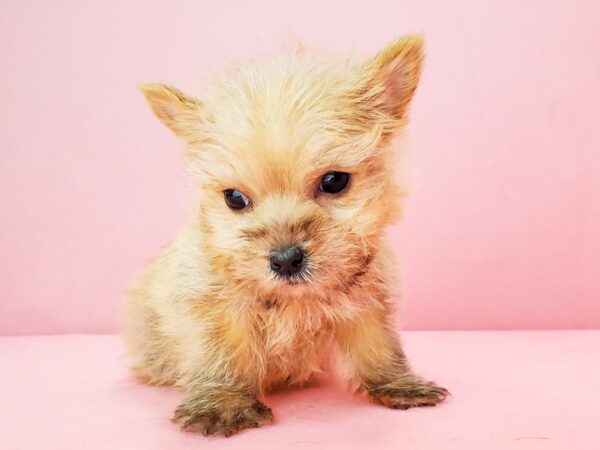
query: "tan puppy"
286, 257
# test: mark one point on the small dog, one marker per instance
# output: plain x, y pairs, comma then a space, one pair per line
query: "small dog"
286, 257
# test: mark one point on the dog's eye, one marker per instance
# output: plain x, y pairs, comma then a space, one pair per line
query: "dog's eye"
236, 199
334, 182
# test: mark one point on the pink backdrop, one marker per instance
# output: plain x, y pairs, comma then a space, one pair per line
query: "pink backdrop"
503, 226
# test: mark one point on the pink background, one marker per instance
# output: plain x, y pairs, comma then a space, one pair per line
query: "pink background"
502, 229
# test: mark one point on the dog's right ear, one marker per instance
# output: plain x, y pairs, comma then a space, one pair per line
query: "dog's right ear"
182, 114
390, 80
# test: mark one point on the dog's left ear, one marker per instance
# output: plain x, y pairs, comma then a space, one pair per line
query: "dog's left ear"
391, 78
182, 114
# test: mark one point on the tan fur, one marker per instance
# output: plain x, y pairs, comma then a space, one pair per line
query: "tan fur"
208, 315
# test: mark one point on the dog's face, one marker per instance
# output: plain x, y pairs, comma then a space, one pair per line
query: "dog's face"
293, 161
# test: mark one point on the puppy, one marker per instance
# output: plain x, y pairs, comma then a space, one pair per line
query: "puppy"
285, 259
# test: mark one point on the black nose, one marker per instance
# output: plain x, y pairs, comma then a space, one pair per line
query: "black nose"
287, 261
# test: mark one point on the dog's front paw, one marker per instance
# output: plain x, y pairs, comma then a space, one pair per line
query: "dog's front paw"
196, 416
408, 392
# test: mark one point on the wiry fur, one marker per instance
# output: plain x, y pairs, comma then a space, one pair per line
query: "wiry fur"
208, 315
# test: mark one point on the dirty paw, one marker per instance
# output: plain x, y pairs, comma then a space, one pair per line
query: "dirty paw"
224, 420
407, 393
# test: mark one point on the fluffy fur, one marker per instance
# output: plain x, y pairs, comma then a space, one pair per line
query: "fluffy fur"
208, 315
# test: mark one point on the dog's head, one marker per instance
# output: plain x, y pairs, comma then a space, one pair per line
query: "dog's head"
293, 161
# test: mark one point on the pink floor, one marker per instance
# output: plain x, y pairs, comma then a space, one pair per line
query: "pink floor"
511, 390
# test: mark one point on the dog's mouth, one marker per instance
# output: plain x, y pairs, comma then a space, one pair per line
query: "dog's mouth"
299, 278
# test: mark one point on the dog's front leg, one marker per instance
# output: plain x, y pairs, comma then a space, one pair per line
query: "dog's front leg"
379, 365
218, 407
221, 373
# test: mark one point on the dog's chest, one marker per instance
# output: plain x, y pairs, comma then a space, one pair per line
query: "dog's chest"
296, 347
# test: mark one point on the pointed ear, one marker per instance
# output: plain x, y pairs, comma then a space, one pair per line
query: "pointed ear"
182, 114
392, 76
